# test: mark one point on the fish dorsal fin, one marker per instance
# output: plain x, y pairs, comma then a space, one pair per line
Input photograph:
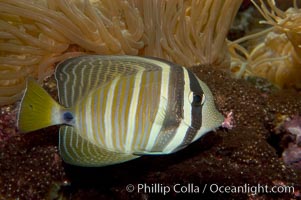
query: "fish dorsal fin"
78, 76
76, 150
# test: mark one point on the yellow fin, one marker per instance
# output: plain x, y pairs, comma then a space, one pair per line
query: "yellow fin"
38, 109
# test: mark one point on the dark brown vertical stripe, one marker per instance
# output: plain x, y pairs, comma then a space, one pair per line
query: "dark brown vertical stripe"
175, 112
196, 113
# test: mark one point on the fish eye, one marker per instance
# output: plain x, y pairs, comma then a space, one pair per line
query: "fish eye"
196, 99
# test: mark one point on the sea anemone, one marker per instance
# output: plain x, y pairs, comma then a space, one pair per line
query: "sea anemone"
36, 34
277, 55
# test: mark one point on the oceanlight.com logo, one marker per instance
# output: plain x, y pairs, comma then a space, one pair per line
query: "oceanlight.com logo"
158, 188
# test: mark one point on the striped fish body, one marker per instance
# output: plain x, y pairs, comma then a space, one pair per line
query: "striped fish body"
117, 108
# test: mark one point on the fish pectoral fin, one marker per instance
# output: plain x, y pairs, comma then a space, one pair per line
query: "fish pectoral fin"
76, 150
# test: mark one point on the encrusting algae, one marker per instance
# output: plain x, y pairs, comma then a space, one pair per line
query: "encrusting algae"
277, 55
34, 35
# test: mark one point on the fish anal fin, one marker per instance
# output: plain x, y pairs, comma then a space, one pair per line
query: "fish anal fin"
145, 153
76, 150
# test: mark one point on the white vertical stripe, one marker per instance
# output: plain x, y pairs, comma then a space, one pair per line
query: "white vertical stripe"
65, 100
89, 120
98, 102
143, 111
185, 122
123, 112
80, 120
63, 142
118, 106
82, 146
108, 115
132, 113
89, 155
72, 145
72, 93
157, 125
85, 115
82, 84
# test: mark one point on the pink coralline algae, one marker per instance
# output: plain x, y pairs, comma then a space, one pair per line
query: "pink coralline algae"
292, 155
8, 118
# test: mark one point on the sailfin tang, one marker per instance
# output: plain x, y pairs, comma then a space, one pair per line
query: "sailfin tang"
38, 109
78, 151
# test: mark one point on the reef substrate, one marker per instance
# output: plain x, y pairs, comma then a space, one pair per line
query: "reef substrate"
250, 153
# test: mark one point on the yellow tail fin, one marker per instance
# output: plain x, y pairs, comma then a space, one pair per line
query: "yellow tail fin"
38, 109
